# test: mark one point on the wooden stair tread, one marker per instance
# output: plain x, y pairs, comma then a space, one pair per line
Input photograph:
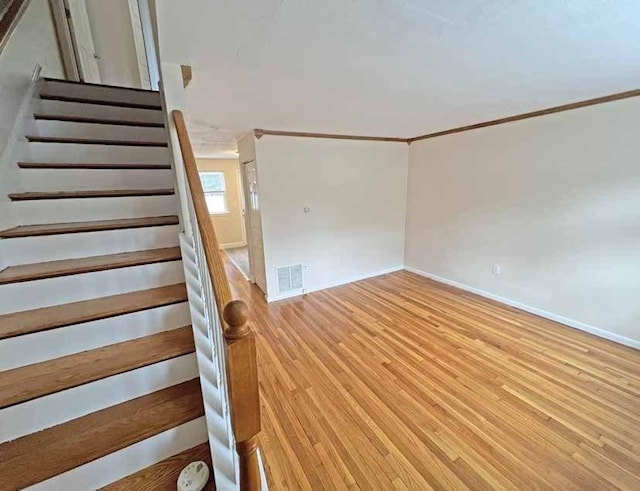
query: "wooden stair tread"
29, 382
42, 455
96, 141
44, 319
83, 119
93, 226
164, 475
109, 193
66, 267
101, 85
88, 100
106, 165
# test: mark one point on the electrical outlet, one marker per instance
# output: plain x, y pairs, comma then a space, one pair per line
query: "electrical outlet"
496, 269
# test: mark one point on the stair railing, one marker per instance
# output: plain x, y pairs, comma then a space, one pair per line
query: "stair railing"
234, 331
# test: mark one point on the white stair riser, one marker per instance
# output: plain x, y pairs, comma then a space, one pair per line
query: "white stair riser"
72, 152
111, 113
94, 179
65, 129
27, 250
131, 459
47, 411
99, 93
41, 346
88, 209
27, 295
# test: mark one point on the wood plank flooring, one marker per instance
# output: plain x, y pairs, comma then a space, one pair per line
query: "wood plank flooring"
399, 382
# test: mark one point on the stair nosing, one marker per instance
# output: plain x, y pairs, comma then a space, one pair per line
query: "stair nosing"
81, 119
98, 102
89, 194
91, 316
91, 84
91, 166
130, 225
96, 141
96, 268
110, 373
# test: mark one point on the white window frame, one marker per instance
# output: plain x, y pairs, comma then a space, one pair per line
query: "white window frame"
222, 193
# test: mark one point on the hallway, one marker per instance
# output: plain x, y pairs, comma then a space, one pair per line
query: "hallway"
398, 382
239, 256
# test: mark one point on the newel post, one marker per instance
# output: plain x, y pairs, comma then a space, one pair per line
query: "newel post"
242, 373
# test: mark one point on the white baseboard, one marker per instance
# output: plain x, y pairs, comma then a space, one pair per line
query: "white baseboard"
343, 282
232, 245
596, 331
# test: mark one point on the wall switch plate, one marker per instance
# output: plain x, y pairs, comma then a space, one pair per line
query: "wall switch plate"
495, 269
305, 268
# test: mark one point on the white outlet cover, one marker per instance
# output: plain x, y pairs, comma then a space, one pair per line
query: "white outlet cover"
495, 269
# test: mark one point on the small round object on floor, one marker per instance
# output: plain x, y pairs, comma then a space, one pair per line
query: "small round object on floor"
194, 477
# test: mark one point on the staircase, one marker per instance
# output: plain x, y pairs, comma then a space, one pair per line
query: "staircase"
99, 382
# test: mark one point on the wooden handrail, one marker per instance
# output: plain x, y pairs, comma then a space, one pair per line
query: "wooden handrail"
242, 366
219, 279
10, 19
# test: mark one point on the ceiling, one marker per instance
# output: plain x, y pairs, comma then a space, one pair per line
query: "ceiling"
391, 67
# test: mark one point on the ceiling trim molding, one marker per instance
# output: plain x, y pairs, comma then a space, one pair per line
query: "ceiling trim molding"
259, 133
533, 114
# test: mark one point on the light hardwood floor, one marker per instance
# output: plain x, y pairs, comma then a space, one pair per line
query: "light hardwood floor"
399, 382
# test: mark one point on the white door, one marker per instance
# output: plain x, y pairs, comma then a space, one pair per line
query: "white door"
254, 224
83, 40
243, 206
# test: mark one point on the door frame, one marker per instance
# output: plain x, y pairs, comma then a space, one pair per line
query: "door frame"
65, 40
247, 220
243, 205
251, 241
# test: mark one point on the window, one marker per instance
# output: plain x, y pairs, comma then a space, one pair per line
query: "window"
215, 192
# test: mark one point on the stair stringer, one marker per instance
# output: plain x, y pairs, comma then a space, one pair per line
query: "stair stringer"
210, 354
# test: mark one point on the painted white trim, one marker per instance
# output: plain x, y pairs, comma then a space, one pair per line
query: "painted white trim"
350, 280
207, 335
232, 245
149, 42
596, 331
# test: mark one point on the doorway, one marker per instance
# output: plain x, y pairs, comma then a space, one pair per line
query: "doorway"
253, 220
105, 42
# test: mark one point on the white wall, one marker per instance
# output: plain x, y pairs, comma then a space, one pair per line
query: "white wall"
113, 39
554, 200
356, 195
33, 42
